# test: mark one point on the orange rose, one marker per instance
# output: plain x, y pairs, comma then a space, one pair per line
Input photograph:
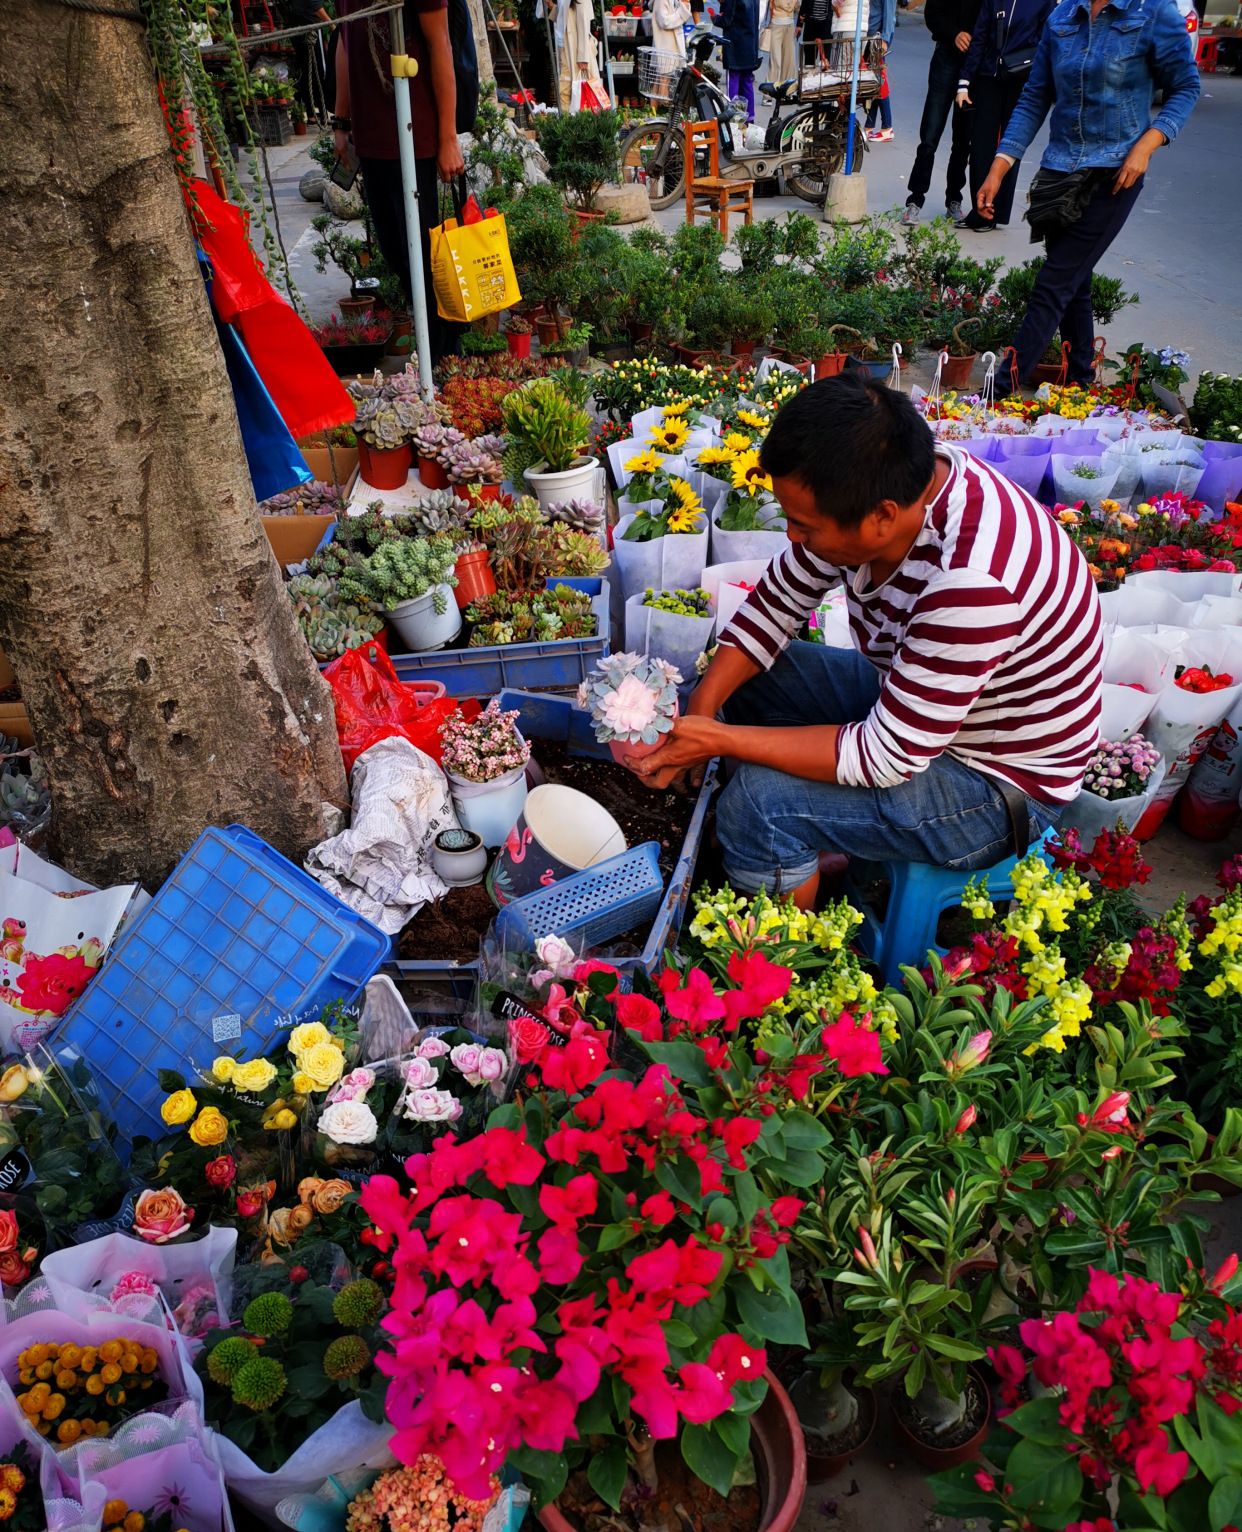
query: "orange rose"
161, 1215
330, 1197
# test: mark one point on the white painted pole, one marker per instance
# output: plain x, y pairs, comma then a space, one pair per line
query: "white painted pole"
851, 129
403, 70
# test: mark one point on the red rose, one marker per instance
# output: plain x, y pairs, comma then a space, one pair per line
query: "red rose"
15, 1267
51, 984
250, 1204
527, 1038
221, 1172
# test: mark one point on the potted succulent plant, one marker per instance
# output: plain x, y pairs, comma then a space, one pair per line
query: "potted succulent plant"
548, 436
432, 443
518, 331
476, 463
411, 579
330, 624
485, 761
384, 454
632, 700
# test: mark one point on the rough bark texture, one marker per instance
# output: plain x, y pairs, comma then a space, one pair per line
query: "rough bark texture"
478, 19
167, 684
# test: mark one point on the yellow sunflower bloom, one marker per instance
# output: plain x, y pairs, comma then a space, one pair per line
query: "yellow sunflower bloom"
679, 408
710, 456
671, 436
754, 420
685, 517
748, 475
648, 461
736, 441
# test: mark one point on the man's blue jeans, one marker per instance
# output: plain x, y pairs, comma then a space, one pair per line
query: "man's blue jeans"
772, 826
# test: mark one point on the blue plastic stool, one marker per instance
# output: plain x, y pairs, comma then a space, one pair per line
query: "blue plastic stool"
918, 896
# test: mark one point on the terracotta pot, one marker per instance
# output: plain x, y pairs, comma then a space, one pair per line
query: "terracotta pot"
826, 1465
938, 1458
357, 305
432, 475
519, 345
299, 130
742, 350
780, 1465
640, 332
689, 356
474, 577
384, 467
483, 491
1048, 372
829, 366
956, 370
627, 754
551, 328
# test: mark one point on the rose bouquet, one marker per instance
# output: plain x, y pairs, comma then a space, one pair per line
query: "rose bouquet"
453, 1081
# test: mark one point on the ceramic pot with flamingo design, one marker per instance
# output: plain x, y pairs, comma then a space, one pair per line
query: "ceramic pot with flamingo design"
559, 832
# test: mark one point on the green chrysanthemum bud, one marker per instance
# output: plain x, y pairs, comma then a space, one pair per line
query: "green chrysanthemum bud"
228, 1358
268, 1314
346, 1357
259, 1384
358, 1304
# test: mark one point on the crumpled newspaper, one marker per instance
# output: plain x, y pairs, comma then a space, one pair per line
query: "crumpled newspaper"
381, 866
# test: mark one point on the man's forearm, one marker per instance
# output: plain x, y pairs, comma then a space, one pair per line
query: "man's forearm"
342, 79
444, 84
808, 751
729, 669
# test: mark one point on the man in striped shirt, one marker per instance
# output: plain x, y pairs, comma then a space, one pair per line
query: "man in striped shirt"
969, 707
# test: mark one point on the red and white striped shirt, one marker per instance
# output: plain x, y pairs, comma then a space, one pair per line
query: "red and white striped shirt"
987, 637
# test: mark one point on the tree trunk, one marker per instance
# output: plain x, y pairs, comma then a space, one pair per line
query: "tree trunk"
478, 19
166, 681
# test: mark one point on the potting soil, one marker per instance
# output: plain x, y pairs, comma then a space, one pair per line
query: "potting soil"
682, 1503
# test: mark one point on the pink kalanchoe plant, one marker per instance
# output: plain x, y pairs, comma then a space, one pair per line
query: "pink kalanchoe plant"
632, 698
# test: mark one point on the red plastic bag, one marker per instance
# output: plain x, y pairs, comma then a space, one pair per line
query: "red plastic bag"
372, 704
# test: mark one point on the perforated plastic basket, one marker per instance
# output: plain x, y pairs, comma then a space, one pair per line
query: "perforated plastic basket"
236, 945
595, 905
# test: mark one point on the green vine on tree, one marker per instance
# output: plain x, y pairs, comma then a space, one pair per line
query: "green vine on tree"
174, 31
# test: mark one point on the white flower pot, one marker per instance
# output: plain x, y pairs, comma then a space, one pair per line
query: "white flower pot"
490, 809
420, 626
460, 857
575, 483
737, 547
673, 562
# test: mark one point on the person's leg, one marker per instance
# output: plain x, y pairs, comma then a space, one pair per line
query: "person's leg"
809, 684
1008, 93
381, 180
941, 88
886, 113
984, 136
959, 156
1064, 278
748, 93
872, 111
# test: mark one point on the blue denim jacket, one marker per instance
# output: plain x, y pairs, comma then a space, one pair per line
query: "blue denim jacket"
1099, 79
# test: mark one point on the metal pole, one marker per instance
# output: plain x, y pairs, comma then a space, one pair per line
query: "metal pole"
852, 128
404, 69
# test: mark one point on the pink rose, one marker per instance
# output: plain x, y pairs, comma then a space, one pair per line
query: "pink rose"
465, 1059
420, 1073
432, 1048
161, 1215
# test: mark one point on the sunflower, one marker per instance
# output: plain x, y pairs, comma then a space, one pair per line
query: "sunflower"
737, 442
685, 518
754, 420
671, 436
648, 461
748, 475
677, 409
713, 455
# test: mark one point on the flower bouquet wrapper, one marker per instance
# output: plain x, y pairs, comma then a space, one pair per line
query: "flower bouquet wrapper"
75, 1320
1177, 472
674, 562
1069, 489
386, 1028
1023, 460
731, 547
1222, 474
436, 1096
1126, 456
183, 1477
63, 1500
1145, 606
1090, 814
706, 427
1123, 710
670, 636
1217, 611
194, 1280
1055, 425
1189, 585
355, 1114
325, 1510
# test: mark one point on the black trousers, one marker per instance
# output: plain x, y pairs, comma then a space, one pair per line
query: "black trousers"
1061, 299
942, 76
310, 83
386, 200
994, 100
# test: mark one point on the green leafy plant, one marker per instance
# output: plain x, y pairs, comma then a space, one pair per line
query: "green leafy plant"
1217, 410
582, 150
402, 570
483, 343
544, 427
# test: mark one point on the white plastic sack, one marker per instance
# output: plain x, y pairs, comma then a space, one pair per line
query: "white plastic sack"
669, 636
86, 1274
1123, 710
381, 866
1170, 473
1186, 585
730, 547
675, 562
1089, 813
1069, 489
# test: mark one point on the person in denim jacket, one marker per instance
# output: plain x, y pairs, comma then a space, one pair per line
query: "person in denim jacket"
1097, 69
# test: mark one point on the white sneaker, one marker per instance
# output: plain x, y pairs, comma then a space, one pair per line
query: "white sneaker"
879, 135
953, 210
911, 214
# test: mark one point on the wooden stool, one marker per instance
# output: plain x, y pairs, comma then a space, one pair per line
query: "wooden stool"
712, 191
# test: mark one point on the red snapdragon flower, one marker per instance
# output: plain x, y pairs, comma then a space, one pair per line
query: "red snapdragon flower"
853, 1046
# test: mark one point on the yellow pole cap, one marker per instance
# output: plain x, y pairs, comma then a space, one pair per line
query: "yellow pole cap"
403, 65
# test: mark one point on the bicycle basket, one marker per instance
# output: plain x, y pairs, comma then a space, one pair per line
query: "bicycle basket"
658, 71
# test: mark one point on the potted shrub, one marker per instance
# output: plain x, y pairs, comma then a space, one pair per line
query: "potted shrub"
956, 369
518, 330
548, 437
485, 761
572, 346
432, 442
411, 580
582, 150
632, 700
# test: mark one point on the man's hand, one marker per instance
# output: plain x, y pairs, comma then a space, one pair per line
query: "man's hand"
963, 97
449, 161
1136, 163
692, 743
990, 189
341, 140
962, 41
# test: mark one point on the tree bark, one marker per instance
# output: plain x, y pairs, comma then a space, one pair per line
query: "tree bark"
167, 683
478, 19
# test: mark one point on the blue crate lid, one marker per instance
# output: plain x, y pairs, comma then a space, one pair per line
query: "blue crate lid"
236, 943
596, 904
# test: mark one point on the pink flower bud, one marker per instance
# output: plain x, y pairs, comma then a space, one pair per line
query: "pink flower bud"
1224, 1274
972, 1055
866, 1257
967, 1120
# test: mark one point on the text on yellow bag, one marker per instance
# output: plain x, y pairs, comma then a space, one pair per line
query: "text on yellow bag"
471, 268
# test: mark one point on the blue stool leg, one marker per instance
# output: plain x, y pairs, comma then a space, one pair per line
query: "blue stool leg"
910, 923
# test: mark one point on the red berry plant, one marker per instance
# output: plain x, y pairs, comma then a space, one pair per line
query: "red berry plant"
597, 1273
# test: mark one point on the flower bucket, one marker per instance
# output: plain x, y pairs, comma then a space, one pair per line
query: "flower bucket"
574, 483
559, 831
474, 577
420, 627
432, 474
490, 809
732, 547
384, 467
672, 636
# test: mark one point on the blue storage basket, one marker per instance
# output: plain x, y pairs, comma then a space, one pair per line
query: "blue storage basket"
597, 904
237, 946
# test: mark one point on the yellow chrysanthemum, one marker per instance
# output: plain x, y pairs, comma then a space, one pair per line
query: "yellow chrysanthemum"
737, 441
648, 461
671, 436
748, 475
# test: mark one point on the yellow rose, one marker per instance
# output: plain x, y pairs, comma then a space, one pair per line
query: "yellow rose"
223, 1069
323, 1064
308, 1035
257, 1075
209, 1128
302, 1084
14, 1082
285, 1119
179, 1108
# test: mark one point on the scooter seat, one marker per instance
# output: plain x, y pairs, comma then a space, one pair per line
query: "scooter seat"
781, 93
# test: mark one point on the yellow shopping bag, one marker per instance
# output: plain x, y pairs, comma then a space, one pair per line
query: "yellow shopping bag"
471, 268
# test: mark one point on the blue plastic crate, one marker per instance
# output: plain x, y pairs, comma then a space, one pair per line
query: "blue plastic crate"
559, 719
595, 905
236, 942
492, 668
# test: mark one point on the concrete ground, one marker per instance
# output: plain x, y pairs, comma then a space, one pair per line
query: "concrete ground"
1179, 253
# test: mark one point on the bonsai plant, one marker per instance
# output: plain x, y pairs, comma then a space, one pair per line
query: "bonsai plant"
485, 761
548, 437
582, 150
632, 700
410, 578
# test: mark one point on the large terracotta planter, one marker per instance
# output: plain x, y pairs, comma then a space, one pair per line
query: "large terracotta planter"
831, 365
1047, 372
294, 538
821, 1466
780, 1464
955, 371
384, 467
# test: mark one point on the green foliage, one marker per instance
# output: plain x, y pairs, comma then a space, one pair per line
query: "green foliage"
1217, 410
494, 156
483, 343
543, 426
556, 613
582, 150
401, 570
541, 244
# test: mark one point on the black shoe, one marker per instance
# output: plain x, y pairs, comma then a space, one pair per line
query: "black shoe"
973, 225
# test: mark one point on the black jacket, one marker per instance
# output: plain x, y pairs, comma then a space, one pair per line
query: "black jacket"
946, 18
1021, 27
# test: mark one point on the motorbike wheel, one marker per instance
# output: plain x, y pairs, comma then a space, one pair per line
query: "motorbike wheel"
822, 139
639, 148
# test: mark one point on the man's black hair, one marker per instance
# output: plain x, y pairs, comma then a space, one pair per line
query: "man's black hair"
853, 443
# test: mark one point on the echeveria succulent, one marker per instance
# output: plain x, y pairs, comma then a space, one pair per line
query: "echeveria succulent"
631, 697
